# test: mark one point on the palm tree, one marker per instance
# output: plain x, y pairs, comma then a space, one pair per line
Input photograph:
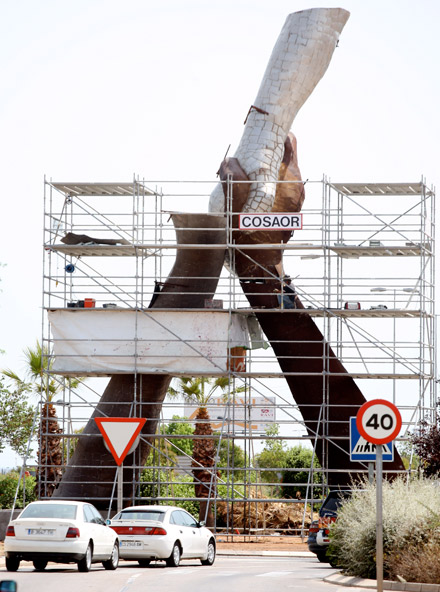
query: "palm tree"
39, 381
200, 391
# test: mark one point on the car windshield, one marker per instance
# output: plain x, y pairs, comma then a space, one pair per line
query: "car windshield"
140, 515
333, 502
49, 511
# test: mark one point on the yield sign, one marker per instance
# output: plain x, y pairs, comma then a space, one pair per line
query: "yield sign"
120, 434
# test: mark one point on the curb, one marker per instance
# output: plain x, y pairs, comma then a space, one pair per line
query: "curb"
356, 582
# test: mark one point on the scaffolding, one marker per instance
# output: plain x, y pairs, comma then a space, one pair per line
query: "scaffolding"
363, 267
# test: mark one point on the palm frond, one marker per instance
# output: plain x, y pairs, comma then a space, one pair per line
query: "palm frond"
38, 365
37, 360
173, 393
19, 384
12, 376
74, 383
200, 390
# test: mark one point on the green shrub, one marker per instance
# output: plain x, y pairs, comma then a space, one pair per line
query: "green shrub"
156, 484
299, 457
272, 459
232, 456
278, 466
8, 487
182, 427
410, 516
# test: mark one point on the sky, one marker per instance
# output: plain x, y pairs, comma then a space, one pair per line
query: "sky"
99, 90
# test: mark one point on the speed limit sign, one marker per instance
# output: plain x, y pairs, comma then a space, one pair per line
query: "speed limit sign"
378, 421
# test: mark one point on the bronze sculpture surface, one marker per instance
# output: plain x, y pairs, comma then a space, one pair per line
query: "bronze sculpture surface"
266, 154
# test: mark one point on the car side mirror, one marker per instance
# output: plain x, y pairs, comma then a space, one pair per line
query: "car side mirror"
108, 522
201, 523
8, 586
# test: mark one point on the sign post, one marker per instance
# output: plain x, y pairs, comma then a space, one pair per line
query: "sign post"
379, 422
121, 437
120, 495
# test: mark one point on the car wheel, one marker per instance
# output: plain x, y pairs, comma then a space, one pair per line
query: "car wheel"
85, 563
144, 562
39, 564
113, 562
12, 563
174, 559
210, 555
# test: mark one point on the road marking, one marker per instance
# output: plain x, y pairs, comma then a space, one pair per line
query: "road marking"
181, 570
274, 574
129, 582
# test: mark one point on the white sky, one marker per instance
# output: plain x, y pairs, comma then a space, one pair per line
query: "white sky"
96, 90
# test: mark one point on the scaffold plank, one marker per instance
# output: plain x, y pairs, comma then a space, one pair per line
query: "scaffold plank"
102, 189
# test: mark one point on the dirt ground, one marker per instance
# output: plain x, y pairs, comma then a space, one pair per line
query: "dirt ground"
261, 543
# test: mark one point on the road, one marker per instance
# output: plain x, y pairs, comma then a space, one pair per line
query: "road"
228, 574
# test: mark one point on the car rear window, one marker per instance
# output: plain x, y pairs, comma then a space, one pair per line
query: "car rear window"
140, 515
333, 501
49, 511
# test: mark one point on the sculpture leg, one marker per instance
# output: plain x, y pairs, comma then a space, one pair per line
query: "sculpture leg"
194, 277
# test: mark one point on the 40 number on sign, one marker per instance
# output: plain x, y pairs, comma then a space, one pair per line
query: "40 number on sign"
385, 422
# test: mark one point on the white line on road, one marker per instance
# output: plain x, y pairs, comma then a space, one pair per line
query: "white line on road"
274, 574
180, 571
129, 582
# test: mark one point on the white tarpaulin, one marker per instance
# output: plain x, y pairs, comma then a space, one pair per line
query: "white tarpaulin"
100, 341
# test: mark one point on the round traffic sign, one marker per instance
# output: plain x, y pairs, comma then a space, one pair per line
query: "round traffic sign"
378, 421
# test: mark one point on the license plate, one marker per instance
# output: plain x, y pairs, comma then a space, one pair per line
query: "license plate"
132, 544
46, 531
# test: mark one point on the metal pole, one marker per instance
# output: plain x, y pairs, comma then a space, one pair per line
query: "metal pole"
379, 523
370, 472
394, 351
120, 486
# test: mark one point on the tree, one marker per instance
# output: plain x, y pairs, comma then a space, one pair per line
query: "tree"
408, 455
273, 458
299, 458
16, 419
179, 426
164, 451
162, 485
163, 454
8, 489
427, 446
39, 381
232, 456
200, 391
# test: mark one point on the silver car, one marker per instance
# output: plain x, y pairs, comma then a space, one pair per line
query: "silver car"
167, 533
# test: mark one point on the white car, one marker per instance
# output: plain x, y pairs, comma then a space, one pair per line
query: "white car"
60, 531
168, 533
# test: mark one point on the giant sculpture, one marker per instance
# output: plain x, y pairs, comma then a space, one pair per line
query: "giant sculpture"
266, 154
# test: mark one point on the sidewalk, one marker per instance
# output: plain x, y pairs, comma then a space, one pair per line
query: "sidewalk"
341, 580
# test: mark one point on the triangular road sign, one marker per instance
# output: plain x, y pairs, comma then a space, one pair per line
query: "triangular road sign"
120, 433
